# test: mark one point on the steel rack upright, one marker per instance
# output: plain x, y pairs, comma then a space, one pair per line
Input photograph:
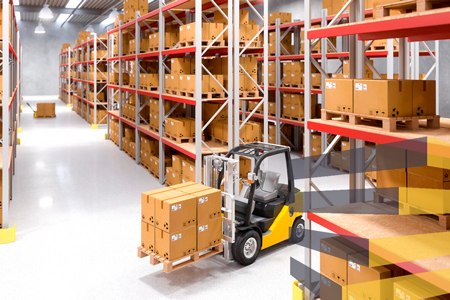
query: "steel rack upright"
11, 101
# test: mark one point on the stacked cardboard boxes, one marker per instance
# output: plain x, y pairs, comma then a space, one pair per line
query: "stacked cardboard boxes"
251, 132
179, 220
210, 31
114, 132
130, 7
283, 16
334, 6
129, 111
344, 270
45, 110
101, 116
383, 98
149, 148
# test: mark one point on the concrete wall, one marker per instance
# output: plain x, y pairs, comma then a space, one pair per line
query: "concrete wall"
41, 54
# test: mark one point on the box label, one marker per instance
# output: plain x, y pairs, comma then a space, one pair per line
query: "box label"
202, 200
352, 264
399, 293
358, 86
176, 237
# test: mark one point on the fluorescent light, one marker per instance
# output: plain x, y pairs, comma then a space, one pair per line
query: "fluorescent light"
62, 18
18, 15
16, 2
45, 12
90, 28
73, 3
39, 29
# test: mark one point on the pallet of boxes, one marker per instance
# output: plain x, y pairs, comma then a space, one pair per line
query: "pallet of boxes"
45, 110
389, 104
181, 225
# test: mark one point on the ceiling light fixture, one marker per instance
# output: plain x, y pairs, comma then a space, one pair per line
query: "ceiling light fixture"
113, 14
39, 28
45, 12
90, 28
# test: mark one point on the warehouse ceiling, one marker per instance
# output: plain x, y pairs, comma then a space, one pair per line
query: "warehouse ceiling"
90, 11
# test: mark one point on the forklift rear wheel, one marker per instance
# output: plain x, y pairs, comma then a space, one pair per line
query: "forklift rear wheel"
298, 231
247, 247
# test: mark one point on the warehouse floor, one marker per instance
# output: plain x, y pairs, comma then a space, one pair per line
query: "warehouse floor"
76, 204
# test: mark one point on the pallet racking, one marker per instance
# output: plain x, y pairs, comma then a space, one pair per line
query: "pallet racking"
12, 90
95, 84
415, 27
176, 11
66, 81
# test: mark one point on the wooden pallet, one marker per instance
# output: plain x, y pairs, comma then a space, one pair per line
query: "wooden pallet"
294, 86
316, 87
133, 86
45, 117
248, 94
443, 219
272, 84
292, 118
220, 141
154, 128
172, 92
154, 174
338, 168
254, 44
129, 154
180, 139
129, 118
176, 264
410, 6
145, 166
149, 88
388, 124
381, 48
184, 44
153, 49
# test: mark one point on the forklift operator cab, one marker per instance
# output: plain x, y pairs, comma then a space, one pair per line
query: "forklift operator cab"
266, 211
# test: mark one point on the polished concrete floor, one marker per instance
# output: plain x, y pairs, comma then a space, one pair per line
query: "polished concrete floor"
76, 203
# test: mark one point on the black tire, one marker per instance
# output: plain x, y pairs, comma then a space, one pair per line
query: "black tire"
249, 256
297, 231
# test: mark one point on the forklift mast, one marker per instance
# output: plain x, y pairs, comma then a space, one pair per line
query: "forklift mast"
229, 168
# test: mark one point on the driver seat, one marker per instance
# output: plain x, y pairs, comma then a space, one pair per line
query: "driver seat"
268, 186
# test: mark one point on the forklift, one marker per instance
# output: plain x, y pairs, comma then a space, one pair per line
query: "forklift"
264, 212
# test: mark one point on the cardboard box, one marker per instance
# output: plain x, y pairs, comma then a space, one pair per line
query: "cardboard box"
334, 252
177, 161
284, 17
172, 178
209, 31
181, 66
384, 98
175, 245
330, 289
377, 284
433, 173
209, 204
424, 97
147, 236
336, 159
416, 181
176, 211
184, 185
188, 170
209, 233
148, 204
339, 95
414, 289
391, 179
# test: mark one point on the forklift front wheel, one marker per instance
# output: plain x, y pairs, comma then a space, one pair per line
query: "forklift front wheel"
297, 231
246, 247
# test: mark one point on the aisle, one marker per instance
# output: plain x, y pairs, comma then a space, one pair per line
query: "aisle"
77, 210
